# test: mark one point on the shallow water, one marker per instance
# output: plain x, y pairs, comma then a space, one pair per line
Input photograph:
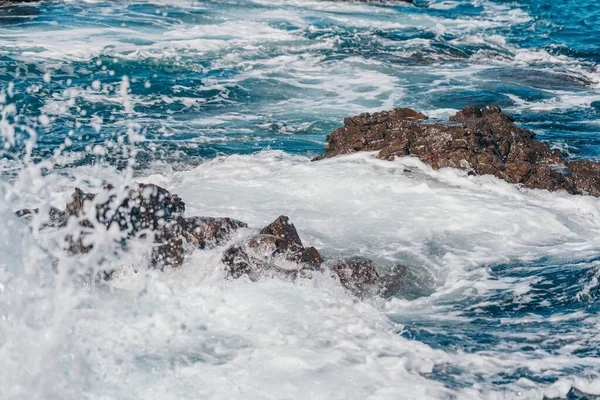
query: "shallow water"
226, 103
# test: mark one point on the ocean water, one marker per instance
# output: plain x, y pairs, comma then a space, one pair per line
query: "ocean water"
225, 103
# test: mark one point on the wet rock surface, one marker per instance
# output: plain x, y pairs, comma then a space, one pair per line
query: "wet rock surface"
138, 211
207, 232
141, 210
481, 141
276, 250
142, 207
53, 216
360, 276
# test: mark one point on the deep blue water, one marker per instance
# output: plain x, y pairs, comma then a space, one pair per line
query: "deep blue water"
300, 71
210, 78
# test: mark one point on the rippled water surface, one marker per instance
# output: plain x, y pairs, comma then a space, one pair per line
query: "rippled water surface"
226, 102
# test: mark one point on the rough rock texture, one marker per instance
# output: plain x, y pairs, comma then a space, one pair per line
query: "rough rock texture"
276, 250
359, 275
199, 232
482, 142
207, 232
143, 209
145, 206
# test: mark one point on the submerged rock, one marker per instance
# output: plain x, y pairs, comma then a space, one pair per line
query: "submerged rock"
481, 141
359, 275
276, 250
207, 232
55, 217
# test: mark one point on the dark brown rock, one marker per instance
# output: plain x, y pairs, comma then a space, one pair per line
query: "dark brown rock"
144, 206
359, 275
276, 250
285, 232
143, 209
206, 232
169, 245
585, 176
482, 142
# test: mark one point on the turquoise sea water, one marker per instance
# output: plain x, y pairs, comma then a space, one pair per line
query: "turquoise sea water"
232, 98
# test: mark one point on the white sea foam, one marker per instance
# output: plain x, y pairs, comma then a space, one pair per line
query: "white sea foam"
188, 333
178, 334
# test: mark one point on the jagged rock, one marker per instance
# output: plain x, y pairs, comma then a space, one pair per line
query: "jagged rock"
144, 206
276, 250
169, 245
359, 275
199, 232
481, 141
139, 211
287, 238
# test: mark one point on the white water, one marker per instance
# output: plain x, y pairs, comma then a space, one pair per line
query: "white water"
188, 333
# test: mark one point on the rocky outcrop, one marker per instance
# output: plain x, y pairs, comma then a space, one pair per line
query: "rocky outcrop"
139, 211
480, 141
141, 207
276, 250
198, 232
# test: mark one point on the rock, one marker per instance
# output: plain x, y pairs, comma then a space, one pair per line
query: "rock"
199, 232
584, 176
276, 251
480, 141
359, 275
139, 211
169, 247
55, 216
142, 207
286, 234
206, 232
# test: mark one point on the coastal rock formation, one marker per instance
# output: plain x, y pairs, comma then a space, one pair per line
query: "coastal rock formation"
481, 141
276, 250
359, 275
140, 210
142, 207
199, 232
